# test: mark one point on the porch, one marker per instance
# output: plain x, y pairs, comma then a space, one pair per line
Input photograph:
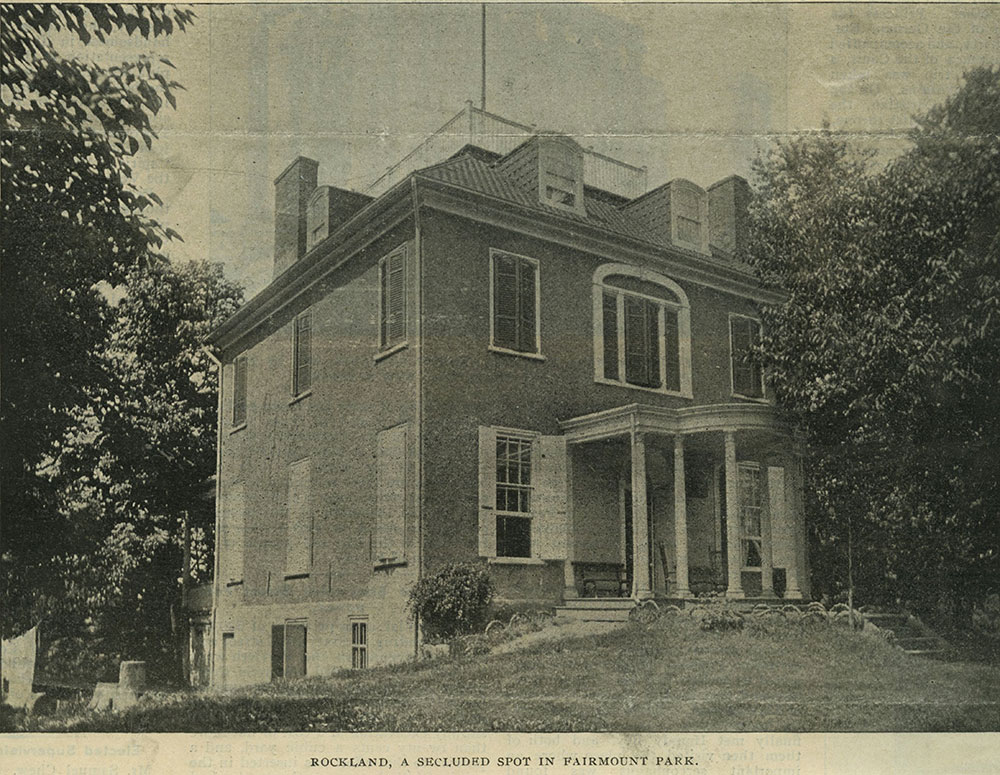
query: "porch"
687, 470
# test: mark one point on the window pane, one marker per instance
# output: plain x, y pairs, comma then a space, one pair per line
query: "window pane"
526, 304
745, 334
610, 333
240, 391
513, 536
646, 288
303, 353
671, 335
642, 348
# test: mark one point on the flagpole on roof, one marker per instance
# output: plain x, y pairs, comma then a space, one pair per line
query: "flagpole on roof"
482, 103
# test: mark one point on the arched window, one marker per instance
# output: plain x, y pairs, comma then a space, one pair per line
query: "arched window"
642, 330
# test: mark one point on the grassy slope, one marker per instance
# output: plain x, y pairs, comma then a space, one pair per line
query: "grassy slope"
666, 677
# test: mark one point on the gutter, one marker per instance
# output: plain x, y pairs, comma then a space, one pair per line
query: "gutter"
419, 390
218, 505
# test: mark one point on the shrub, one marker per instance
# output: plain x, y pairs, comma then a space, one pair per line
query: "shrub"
453, 601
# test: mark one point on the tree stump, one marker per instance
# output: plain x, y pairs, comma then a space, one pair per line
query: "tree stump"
105, 697
131, 683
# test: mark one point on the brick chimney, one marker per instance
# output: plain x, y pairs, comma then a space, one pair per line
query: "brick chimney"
727, 213
291, 198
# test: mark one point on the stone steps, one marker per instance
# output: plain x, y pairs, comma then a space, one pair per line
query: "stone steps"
910, 634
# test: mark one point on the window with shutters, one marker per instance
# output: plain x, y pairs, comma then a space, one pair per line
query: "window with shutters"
641, 331
240, 391
392, 299
750, 491
233, 533
514, 304
390, 496
302, 354
744, 337
522, 496
299, 533
359, 643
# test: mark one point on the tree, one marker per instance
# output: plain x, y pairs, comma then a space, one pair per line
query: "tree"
887, 349
135, 476
72, 220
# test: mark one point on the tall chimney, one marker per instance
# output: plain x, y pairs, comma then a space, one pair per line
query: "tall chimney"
291, 198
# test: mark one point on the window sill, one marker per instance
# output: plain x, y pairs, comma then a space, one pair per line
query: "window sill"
300, 396
504, 351
390, 351
386, 564
237, 428
293, 576
515, 561
626, 385
755, 399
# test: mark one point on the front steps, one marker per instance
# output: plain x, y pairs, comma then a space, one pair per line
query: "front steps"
909, 633
596, 609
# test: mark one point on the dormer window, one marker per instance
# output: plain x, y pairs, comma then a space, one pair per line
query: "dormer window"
318, 217
560, 173
689, 215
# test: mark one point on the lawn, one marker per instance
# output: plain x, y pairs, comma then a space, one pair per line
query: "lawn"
667, 676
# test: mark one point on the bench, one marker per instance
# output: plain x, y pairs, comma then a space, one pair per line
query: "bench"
601, 579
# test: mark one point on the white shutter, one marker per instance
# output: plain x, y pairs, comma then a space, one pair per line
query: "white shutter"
233, 533
782, 531
548, 517
487, 492
298, 552
390, 494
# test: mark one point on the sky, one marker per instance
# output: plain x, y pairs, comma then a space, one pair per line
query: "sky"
687, 90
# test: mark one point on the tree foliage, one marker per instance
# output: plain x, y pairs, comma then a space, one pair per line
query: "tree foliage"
72, 220
887, 349
139, 463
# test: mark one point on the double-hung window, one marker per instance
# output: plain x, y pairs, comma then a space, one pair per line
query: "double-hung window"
392, 299
642, 336
514, 303
240, 391
359, 644
750, 491
302, 354
513, 501
744, 337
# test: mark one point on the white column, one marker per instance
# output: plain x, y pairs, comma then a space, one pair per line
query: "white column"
796, 513
766, 551
640, 520
569, 578
680, 520
735, 558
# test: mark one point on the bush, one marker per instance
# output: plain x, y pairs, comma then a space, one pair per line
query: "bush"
452, 602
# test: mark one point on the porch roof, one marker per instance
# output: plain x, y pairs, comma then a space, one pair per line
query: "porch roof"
645, 418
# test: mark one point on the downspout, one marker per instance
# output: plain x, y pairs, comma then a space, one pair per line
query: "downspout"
218, 501
419, 390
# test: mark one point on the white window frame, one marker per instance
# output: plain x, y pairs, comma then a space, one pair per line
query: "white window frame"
761, 472
529, 441
682, 308
493, 346
385, 345
562, 150
686, 187
762, 398
241, 422
296, 392
318, 217
359, 649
